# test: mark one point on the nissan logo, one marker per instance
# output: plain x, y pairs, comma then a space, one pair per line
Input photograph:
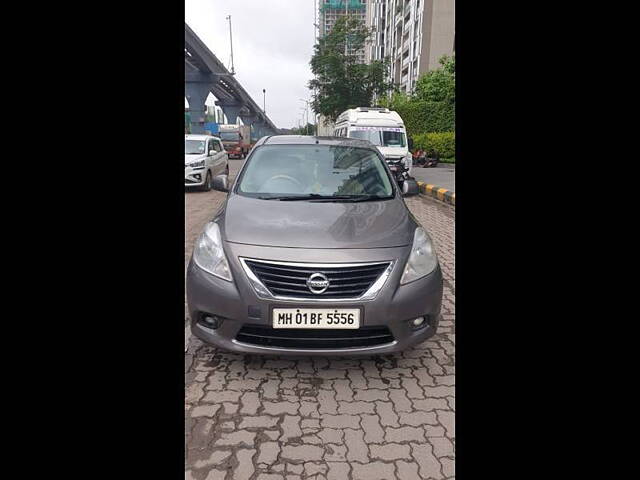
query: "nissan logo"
317, 283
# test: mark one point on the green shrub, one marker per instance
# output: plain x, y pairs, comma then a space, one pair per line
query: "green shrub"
444, 143
420, 116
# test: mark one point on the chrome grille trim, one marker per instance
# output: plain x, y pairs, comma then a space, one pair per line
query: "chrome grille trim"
263, 292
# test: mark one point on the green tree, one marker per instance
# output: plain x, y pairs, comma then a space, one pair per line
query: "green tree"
340, 81
395, 101
431, 107
438, 85
309, 129
187, 122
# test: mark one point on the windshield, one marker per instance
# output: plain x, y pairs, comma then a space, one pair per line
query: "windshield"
194, 147
230, 136
393, 138
371, 135
317, 171
381, 137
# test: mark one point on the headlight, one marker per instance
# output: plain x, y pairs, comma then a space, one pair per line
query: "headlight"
422, 260
408, 160
209, 255
197, 164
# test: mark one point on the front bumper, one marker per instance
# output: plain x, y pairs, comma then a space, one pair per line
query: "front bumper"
393, 307
194, 177
398, 166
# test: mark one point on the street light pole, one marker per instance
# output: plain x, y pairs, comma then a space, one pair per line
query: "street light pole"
302, 120
231, 42
306, 111
264, 101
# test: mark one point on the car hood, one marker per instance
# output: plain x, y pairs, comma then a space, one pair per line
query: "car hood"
393, 152
193, 158
301, 224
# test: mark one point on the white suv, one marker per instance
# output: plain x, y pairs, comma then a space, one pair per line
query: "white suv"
204, 158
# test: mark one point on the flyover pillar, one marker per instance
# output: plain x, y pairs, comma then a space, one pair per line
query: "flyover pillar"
260, 130
197, 94
259, 127
231, 112
251, 121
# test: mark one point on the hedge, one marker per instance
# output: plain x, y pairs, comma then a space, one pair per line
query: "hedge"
420, 116
443, 143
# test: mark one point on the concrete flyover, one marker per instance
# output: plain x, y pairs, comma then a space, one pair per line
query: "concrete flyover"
204, 73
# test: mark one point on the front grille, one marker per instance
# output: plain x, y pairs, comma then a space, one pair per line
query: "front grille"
395, 163
265, 336
291, 281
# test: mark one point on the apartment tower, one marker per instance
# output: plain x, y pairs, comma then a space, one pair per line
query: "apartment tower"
330, 11
413, 34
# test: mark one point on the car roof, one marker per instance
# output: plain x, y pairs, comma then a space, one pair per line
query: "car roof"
198, 137
373, 116
314, 140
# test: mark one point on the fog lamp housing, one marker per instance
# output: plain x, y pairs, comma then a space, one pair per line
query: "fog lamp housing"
210, 321
418, 322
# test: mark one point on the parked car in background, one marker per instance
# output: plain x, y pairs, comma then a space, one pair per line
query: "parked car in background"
385, 129
314, 252
204, 158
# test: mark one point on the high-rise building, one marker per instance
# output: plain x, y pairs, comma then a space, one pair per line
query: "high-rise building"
330, 11
413, 34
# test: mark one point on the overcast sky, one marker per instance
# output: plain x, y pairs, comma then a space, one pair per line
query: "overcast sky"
272, 46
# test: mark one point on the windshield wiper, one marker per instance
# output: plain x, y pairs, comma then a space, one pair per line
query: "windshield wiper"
326, 198
367, 198
292, 198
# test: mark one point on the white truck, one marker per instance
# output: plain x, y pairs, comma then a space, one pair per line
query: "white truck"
236, 139
382, 127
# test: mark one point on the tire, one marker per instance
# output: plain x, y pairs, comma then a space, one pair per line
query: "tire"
207, 182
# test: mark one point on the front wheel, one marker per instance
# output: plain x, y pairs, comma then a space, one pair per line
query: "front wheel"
206, 186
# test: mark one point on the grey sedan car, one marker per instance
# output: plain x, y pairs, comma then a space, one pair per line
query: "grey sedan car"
314, 252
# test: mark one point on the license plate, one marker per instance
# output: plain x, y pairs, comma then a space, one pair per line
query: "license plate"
316, 318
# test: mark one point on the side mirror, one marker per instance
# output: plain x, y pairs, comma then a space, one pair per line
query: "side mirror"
221, 183
409, 187
211, 153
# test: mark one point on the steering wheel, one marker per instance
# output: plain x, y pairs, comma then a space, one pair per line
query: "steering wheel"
285, 177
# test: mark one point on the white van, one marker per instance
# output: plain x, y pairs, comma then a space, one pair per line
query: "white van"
382, 127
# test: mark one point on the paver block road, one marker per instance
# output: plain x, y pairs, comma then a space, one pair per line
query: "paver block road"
378, 417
